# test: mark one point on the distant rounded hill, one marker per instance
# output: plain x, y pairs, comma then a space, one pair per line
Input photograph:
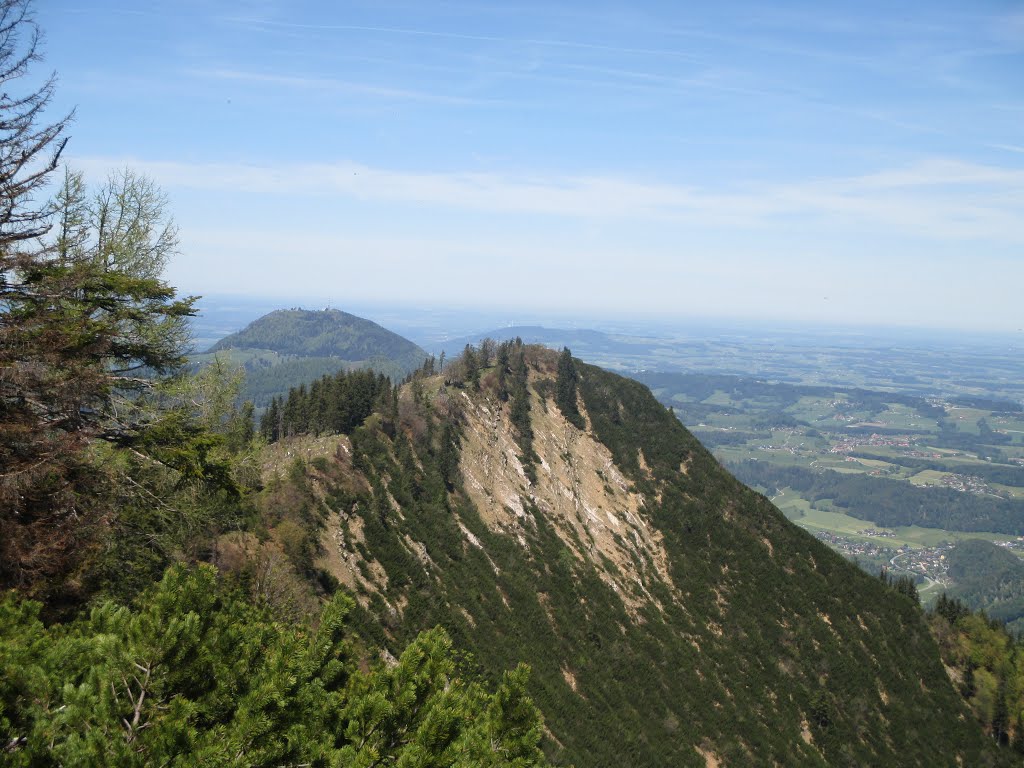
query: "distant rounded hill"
324, 333
289, 347
990, 578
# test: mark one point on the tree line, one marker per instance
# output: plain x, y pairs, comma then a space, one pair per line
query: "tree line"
1004, 474
330, 405
502, 370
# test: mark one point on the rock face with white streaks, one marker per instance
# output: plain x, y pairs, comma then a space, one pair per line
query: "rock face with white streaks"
579, 491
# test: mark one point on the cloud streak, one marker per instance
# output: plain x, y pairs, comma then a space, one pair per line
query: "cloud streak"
448, 35
336, 85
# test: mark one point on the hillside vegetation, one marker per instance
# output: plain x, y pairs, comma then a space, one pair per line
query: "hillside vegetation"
194, 675
123, 474
986, 662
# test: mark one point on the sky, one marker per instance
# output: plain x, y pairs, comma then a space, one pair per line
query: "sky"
827, 163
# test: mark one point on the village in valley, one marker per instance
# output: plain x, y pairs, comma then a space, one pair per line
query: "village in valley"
927, 564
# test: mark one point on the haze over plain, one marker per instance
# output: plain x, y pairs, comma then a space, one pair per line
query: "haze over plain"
853, 165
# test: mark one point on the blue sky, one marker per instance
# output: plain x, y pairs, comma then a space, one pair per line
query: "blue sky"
848, 163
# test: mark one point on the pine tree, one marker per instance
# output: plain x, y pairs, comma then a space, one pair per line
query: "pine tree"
519, 410
513, 724
501, 365
29, 152
270, 422
448, 458
471, 367
967, 684
194, 675
565, 389
1001, 714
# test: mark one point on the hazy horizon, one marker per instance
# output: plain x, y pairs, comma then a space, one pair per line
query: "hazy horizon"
420, 322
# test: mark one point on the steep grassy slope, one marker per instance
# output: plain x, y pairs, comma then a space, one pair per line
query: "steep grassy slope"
672, 617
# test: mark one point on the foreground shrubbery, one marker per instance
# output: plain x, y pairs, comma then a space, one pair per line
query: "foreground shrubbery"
197, 675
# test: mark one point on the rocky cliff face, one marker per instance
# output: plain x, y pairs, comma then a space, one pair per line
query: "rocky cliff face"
595, 511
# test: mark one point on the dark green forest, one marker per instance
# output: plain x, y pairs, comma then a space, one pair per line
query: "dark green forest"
266, 380
495, 600
332, 404
1006, 474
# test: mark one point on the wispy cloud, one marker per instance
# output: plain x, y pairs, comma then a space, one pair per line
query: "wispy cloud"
729, 81
933, 199
1009, 29
1009, 147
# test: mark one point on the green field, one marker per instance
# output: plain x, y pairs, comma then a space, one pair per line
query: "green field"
928, 477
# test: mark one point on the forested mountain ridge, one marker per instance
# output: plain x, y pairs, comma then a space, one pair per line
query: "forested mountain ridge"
559, 515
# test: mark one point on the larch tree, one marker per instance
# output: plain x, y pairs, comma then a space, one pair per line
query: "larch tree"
92, 339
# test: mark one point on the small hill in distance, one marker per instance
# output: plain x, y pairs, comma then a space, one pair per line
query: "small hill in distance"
323, 333
289, 347
990, 578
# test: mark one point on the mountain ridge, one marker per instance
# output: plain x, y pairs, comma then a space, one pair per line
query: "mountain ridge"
672, 618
